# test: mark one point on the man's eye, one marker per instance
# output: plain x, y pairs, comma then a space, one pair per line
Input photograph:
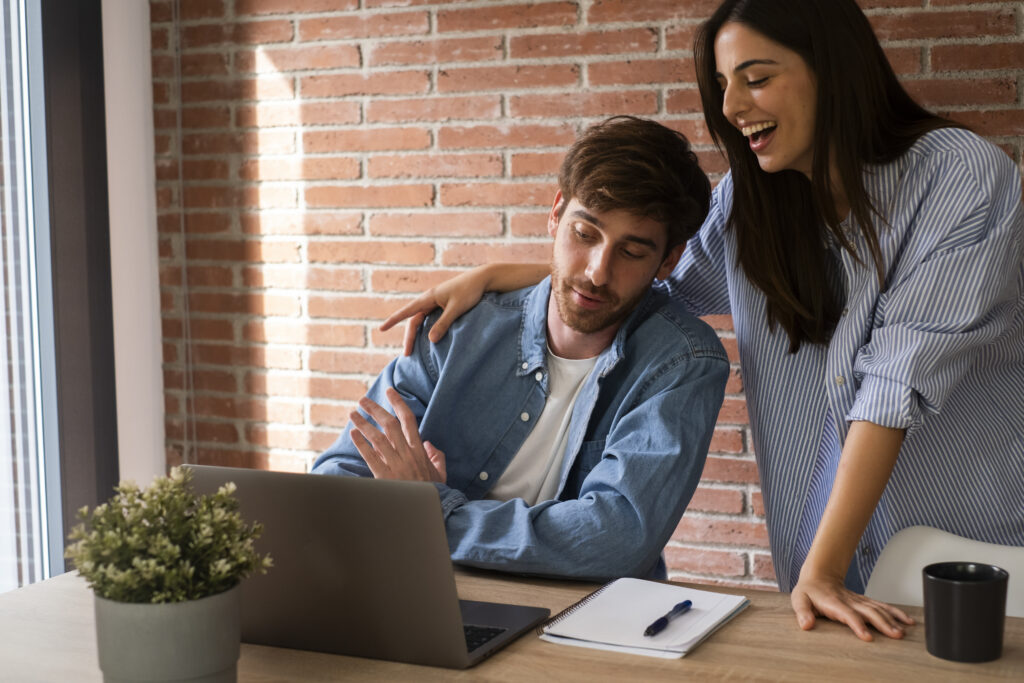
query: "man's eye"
631, 254
582, 235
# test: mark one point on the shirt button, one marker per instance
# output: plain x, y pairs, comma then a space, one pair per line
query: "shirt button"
525, 365
845, 311
539, 376
525, 417
840, 380
866, 550
483, 476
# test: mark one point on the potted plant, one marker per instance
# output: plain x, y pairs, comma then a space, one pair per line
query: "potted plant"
165, 565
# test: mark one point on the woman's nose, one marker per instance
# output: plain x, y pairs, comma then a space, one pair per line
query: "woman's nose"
734, 102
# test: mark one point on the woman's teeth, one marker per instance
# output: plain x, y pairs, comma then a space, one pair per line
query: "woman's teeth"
757, 128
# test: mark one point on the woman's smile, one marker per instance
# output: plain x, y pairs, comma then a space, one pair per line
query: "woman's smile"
759, 134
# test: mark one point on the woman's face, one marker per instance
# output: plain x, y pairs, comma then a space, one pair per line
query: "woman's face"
769, 95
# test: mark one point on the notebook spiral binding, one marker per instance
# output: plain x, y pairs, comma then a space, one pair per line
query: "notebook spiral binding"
545, 625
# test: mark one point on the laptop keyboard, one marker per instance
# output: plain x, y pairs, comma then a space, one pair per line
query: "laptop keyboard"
479, 635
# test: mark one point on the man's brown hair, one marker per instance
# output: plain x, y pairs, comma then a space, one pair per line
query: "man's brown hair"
642, 167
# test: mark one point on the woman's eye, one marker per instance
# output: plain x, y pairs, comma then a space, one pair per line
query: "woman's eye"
759, 82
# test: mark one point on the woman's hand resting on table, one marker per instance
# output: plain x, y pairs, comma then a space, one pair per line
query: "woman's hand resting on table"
828, 597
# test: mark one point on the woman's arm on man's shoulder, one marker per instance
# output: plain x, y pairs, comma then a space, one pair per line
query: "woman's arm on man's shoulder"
461, 293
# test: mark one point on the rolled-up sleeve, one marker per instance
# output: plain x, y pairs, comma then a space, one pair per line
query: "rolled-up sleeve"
954, 287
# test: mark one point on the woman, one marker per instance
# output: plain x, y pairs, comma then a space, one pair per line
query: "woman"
870, 254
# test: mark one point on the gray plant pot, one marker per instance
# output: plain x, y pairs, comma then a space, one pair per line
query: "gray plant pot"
196, 641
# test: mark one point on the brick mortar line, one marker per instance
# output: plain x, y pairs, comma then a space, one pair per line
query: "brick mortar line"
432, 10
522, 121
504, 93
557, 60
231, 49
436, 126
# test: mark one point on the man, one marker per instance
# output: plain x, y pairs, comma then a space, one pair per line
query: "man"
565, 425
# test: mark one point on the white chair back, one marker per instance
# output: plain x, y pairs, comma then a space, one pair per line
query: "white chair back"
897, 574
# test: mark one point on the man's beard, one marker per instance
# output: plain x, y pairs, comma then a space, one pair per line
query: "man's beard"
613, 310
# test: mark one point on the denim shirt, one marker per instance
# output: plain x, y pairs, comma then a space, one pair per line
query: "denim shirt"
638, 435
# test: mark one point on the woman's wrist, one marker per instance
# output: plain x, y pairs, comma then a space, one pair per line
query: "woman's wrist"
819, 569
865, 464
506, 277
486, 274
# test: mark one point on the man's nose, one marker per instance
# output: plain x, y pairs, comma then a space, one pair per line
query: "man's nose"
599, 266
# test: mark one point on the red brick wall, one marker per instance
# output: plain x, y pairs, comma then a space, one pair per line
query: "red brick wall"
336, 156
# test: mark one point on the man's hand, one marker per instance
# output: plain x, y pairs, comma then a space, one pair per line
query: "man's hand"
395, 451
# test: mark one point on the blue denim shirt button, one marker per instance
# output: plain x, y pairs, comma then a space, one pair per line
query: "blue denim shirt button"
539, 376
483, 476
525, 417
525, 365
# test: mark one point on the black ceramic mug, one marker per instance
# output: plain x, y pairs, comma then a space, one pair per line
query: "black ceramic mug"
964, 610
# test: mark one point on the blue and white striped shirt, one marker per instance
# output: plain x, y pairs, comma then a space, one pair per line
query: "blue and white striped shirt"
939, 351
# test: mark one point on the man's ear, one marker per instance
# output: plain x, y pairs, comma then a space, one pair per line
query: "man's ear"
669, 264
554, 215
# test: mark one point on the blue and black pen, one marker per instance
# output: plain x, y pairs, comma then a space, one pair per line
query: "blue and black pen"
659, 625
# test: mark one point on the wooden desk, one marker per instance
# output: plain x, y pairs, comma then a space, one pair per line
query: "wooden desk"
47, 634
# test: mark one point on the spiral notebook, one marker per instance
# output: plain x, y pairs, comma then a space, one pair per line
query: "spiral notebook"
615, 616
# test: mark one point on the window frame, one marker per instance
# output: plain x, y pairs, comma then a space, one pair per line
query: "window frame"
79, 412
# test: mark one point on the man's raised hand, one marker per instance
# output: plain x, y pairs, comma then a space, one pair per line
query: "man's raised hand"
395, 450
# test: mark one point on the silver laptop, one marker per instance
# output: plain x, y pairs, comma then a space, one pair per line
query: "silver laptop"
361, 567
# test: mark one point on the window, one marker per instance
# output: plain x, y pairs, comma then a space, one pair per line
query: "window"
58, 449
23, 533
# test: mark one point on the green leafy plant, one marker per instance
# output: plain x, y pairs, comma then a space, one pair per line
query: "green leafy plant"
164, 543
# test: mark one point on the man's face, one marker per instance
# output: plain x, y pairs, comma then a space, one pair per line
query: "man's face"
603, 263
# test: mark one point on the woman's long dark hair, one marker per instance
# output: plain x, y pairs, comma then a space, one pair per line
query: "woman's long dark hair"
863, 116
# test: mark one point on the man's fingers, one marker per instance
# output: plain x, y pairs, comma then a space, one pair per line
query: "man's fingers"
372, 459
387, 422
437, 459
406, 418
380, 443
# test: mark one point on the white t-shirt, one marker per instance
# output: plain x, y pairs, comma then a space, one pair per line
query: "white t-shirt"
535, 470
